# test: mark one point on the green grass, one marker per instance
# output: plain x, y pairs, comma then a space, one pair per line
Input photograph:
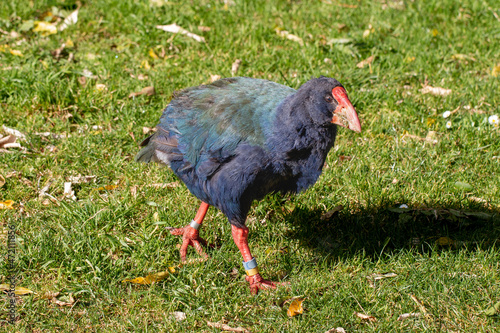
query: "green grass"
87, 247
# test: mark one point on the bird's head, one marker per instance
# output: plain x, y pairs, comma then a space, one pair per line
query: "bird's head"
328, 102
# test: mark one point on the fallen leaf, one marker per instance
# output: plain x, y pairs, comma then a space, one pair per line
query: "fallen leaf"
377, 276
7, 204
16, 53
152, 54
174, 28
17, 291
408, 315
343, 158
14, 132
145, 64
179, 316
101, 87
68, 192
151, 278
9, 141
496, 70
436, 91
328, 215
336, 330
214, 78
287, 35
148, 91
227, 327
2, 181
235, 66
295, 307
365, 317
365, 62
64, 300
46, 28
69, 20
107, 188
491, 311
445, 241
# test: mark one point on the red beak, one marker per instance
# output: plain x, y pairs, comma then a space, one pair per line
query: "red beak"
345, 115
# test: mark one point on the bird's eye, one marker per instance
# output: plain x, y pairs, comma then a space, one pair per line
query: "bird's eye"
329, 98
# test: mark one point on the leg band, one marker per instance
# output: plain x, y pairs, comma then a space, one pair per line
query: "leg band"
251, 267
195, 225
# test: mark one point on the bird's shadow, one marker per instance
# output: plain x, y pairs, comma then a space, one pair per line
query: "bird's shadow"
388, 228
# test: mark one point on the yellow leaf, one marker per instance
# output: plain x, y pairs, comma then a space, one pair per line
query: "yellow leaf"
151, 278
410, 59
430, 122
296, 307
145, 64
435, 32
69, 43
46, 28
152, 54
17, 291
7, 204
16, 53
496, 70
444, 241
107, 188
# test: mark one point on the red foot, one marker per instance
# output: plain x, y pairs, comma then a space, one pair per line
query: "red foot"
257, 283
190, 236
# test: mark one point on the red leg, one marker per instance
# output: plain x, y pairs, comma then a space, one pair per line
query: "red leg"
240, 236
190, 235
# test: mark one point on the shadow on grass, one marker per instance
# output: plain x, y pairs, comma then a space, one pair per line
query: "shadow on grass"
385, 229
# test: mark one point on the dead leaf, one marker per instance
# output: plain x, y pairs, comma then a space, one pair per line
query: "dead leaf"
496, 70
408, 315
148, 91
152, 278
64, 300
14, 132
336, 330
295, 307
235, 66
343, 158
214, 78
7, 204
377, 276
81, 179
436, 91
152, 54
445, 241
365, 62
227, 327
328, 215
17, 291
107, 188
9, 141
68, 192
365, 317
57, 52
2, 181
287, 35
174, 28
140, 77
179, 316
69, 20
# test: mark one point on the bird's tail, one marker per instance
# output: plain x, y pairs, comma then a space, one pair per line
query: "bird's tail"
146, 154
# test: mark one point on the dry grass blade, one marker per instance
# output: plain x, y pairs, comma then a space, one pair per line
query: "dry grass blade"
436, 91
174, 28
226, 327
365, 317
365, 62
408, 315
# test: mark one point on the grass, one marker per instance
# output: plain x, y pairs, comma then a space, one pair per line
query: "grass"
443, 248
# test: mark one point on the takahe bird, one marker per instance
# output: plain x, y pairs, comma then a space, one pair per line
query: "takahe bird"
237, 139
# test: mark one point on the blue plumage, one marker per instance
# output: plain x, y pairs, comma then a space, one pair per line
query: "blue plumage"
238, 139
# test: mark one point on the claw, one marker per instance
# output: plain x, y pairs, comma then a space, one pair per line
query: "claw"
190, 236
257, 283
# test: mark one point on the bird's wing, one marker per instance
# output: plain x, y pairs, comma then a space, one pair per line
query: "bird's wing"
209, 122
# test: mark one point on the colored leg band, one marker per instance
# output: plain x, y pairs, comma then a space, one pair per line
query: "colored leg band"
252, 272
195, 225
248, 265
251, 267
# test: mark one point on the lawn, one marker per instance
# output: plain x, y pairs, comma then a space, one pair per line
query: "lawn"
405, 218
